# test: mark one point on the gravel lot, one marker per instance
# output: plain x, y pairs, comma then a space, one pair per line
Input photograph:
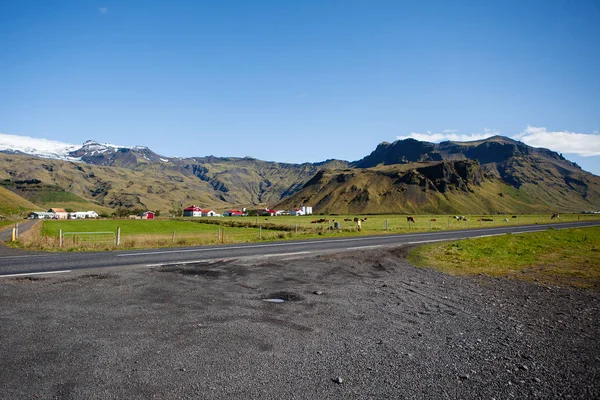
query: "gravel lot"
383, 327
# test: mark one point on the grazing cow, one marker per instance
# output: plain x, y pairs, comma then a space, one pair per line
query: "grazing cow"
410, 219
355, 219
348, 219
514, 216
555, 216
432, 220
487, 220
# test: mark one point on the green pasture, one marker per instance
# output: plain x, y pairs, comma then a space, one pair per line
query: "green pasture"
376, 224
131, 227
198, 231
561, 257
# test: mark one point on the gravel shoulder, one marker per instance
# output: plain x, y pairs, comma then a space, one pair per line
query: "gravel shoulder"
386, 328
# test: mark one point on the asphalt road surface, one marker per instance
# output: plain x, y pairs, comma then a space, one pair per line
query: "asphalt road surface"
48, 263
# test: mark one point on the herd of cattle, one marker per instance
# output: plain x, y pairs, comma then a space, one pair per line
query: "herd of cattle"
410, 219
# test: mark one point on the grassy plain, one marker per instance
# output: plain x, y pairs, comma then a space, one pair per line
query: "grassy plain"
142, 234
197, 231
554, 257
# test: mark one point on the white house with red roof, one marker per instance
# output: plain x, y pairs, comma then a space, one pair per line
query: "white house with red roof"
208, 213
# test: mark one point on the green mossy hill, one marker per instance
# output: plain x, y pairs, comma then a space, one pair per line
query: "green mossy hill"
541, 174
433, 187
14, 205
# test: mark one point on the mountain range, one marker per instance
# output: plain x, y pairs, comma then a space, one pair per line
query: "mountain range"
497, 174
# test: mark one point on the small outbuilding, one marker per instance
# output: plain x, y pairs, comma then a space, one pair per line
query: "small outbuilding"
233, 213
148, 215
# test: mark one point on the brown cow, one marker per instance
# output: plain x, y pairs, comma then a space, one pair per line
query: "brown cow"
410, 219
555, 216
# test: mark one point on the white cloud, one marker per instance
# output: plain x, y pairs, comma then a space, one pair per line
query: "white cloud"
583, 144
450, 134
103, 10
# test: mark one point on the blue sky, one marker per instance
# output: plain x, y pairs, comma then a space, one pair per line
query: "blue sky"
299, 81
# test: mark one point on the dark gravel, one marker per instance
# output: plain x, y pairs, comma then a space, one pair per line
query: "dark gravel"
379, 329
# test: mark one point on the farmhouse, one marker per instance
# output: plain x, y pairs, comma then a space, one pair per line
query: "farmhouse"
304, 210
192, 211
41, 215
83, 215
60, 213
233, 213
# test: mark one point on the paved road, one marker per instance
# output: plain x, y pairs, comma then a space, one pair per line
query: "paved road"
24, 225
64, 262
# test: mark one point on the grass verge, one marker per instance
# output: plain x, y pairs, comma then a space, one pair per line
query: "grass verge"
553, 257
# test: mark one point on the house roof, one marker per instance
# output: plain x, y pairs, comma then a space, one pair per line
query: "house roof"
207, 211
192, 208
57, 210
148, 212
235, 212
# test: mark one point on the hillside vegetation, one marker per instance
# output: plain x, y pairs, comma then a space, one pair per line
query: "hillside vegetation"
446, 187
212, 183
12, 204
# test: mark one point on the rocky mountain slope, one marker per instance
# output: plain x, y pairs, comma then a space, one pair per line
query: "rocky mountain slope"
493, 175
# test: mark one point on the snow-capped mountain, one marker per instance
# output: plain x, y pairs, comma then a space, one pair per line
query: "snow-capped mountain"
91, 152
37, 147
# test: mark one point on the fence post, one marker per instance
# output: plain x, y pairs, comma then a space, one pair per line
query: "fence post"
386, 224
118, 235
173, 238
60, 238
448, 222
296, 228
223, 234
17, 230
260, 232
14, 234
430, 224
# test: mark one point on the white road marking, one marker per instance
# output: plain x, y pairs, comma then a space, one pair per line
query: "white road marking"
35, 273
364, 247
29, 256
284, 254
